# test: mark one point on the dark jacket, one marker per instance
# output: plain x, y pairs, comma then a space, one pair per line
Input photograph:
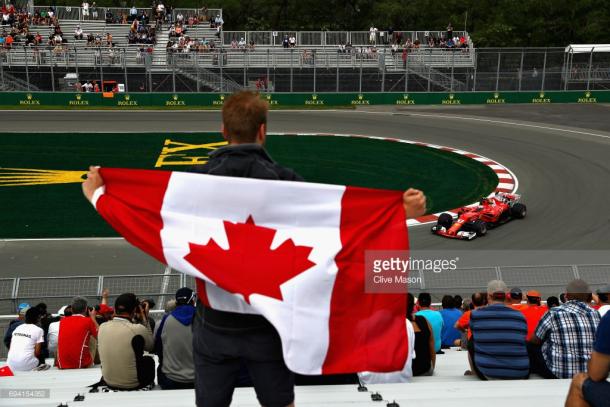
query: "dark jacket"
247, 161
8, 335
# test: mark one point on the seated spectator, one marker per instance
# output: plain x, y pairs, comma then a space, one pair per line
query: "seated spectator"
26, 344
425, 355
122, 343
76, 343
53, 334
592, 389
498, 348
603, 295
552, 302
563, 341
78, 33
149, 303
533, 312
174, 344
434, 318
450, 314
514, 298
8, 334
478, 300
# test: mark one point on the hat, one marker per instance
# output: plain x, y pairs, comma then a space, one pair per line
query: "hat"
497, 287
184, 295
603, 290
62, 311
22, 308
105, 309
516, 293
126, 303
534, 294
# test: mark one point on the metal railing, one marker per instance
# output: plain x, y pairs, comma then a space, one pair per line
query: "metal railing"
99, 13
310, 69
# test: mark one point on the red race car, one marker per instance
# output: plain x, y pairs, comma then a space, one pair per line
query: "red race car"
473, 221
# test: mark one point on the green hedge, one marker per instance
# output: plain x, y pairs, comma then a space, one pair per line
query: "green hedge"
185, 100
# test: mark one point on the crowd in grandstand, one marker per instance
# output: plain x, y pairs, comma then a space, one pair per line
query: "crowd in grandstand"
508, 334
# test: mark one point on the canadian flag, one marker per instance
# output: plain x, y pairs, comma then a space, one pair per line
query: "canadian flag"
291, 251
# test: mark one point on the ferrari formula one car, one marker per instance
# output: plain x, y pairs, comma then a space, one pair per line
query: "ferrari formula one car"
474, 221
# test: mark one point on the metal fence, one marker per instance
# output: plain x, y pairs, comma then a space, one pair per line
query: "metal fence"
307, 69
99, 13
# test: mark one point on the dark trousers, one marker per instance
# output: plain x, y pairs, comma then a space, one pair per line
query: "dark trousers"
220, 355
145, 365
537, 363
597, 394
168, 384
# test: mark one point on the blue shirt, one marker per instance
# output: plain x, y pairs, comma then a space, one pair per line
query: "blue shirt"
449, 334
602, 337
436, 322
499, 333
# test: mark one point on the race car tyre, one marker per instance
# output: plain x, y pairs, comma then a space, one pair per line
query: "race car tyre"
480, 227
518, 211
445, 220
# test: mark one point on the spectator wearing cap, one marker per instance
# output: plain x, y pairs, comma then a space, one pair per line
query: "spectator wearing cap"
26, 344
174, 344
533, 312
122, 342
498, 348
434, 318
563, 341
515, 296
76, 341
450, 314
53, 333
592, 388
603, 295
8, 334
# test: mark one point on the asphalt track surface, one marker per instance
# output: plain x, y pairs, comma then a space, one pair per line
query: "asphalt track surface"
560, 155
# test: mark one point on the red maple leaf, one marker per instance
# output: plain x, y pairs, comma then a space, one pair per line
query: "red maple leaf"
249, 266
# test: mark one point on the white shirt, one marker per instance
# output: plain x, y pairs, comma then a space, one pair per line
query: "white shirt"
85, 6
21, 356
603, 309
401, 376
53, 336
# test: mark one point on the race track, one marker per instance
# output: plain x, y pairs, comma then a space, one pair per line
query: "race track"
560, 155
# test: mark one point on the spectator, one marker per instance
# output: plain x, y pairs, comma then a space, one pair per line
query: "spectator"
458, 302
552, 302
8, 334
463, 324
498, 348
449, 31
26, 344
94, 11
149, 303
592, 388
85, 7
174, 344
514, 298
450, 314
53, 334
45, 320
292, 41
76, 341
122, 343
78, 33
533, 312
603, 294
425, 354
563, 341
434, 318
170, 305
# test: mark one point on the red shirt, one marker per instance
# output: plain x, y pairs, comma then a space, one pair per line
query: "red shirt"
464, 322
73, 342
533, 314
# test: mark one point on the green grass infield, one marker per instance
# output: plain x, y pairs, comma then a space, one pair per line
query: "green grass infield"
49, 203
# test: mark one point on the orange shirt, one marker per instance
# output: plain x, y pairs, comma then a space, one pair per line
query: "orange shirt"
533, 314
464, 322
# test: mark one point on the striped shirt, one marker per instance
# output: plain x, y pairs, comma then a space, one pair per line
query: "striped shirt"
568, 333
498, 333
